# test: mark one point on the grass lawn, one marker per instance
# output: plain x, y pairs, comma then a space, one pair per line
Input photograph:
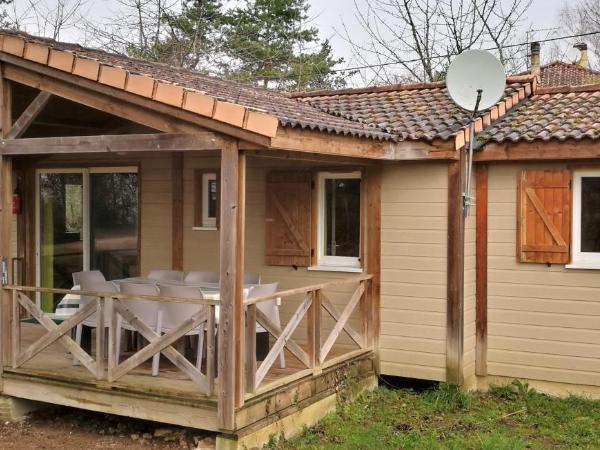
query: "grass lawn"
513, 417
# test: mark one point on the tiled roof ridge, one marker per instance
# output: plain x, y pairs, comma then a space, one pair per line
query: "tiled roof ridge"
499, 110
78, 47
570, 65
567, 89
47, 52
564, 113
396, 87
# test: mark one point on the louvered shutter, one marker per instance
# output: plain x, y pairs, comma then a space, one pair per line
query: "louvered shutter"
544, 216
288, 218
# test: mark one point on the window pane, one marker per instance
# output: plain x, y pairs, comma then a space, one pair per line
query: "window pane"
61, 236
590, 214
212, 198
114, 224
342, 215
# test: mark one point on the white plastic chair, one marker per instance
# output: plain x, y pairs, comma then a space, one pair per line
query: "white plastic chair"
148, 311
251, 278
269, 308
97, 286
166, 275
199, 278
88, 276
174, 314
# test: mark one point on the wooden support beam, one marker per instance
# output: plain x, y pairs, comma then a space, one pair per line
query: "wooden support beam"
112, 143
29, 115
239, 317
177, 211
231, 307
373, 253
116, 101
455, 273
6, 183
6, 118
540, 150
481, 280
5, 222
101, 101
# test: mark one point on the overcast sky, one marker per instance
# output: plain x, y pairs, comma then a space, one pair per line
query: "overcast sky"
328, 16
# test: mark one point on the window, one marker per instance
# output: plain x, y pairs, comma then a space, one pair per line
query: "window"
206, 199
338, 223
586, 219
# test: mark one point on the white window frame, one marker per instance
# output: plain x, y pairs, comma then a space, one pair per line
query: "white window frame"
327, 262
579, 259
207, 222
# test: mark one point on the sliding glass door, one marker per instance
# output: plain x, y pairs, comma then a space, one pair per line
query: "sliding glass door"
87, 219
61, 231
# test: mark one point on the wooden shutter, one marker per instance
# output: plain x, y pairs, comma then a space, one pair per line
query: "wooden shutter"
544, 216
288, 218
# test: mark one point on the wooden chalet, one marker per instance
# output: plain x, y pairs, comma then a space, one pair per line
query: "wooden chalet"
350, 200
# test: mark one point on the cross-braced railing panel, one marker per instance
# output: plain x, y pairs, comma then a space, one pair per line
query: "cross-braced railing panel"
315, 352
109, 309
160, 343
55, 333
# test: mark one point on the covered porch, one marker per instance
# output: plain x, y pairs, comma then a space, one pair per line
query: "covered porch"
203, 201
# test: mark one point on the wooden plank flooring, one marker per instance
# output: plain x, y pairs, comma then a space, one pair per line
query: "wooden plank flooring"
55, 363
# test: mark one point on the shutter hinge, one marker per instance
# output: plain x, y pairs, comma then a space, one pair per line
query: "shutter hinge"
312, 252
312, 185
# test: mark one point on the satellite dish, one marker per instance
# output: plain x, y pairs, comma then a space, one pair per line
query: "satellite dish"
473, 71
573, 55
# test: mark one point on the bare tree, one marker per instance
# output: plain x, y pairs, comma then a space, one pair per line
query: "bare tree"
181, 33
583, 17
414, 40
45, 18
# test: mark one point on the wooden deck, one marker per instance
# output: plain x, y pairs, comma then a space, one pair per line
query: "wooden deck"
170, 397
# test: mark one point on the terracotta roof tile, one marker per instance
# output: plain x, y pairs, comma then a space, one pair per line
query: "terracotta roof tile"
412, 112
551, 114
563, 74
289, 112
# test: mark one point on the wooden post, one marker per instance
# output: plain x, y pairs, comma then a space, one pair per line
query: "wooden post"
5, 252
313, 317
230, 351
177, 211
250, 346
373, 242
100, 340
455, 273
481, 247
210, 349
6, 221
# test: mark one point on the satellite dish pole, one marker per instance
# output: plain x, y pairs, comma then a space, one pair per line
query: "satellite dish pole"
476, 81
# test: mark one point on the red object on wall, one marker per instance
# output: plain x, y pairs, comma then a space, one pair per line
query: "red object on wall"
16, 203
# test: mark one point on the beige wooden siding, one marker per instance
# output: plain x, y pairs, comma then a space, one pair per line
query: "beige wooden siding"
413, 270
155, 213
201, 247
544, 322
469, 292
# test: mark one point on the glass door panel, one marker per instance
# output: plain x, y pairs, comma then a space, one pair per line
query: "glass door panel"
114, 224
61, 237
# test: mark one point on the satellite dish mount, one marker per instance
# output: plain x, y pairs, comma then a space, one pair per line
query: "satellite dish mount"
476, 81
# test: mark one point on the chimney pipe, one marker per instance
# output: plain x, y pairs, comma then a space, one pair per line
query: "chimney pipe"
583, 58
535, 68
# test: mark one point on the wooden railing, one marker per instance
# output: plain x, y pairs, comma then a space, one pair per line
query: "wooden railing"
314, 302
106, 306
312, 353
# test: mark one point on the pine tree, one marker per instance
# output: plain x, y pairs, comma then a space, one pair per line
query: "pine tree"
269, 44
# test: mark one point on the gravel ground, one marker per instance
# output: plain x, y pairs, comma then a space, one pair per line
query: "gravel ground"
69, 428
